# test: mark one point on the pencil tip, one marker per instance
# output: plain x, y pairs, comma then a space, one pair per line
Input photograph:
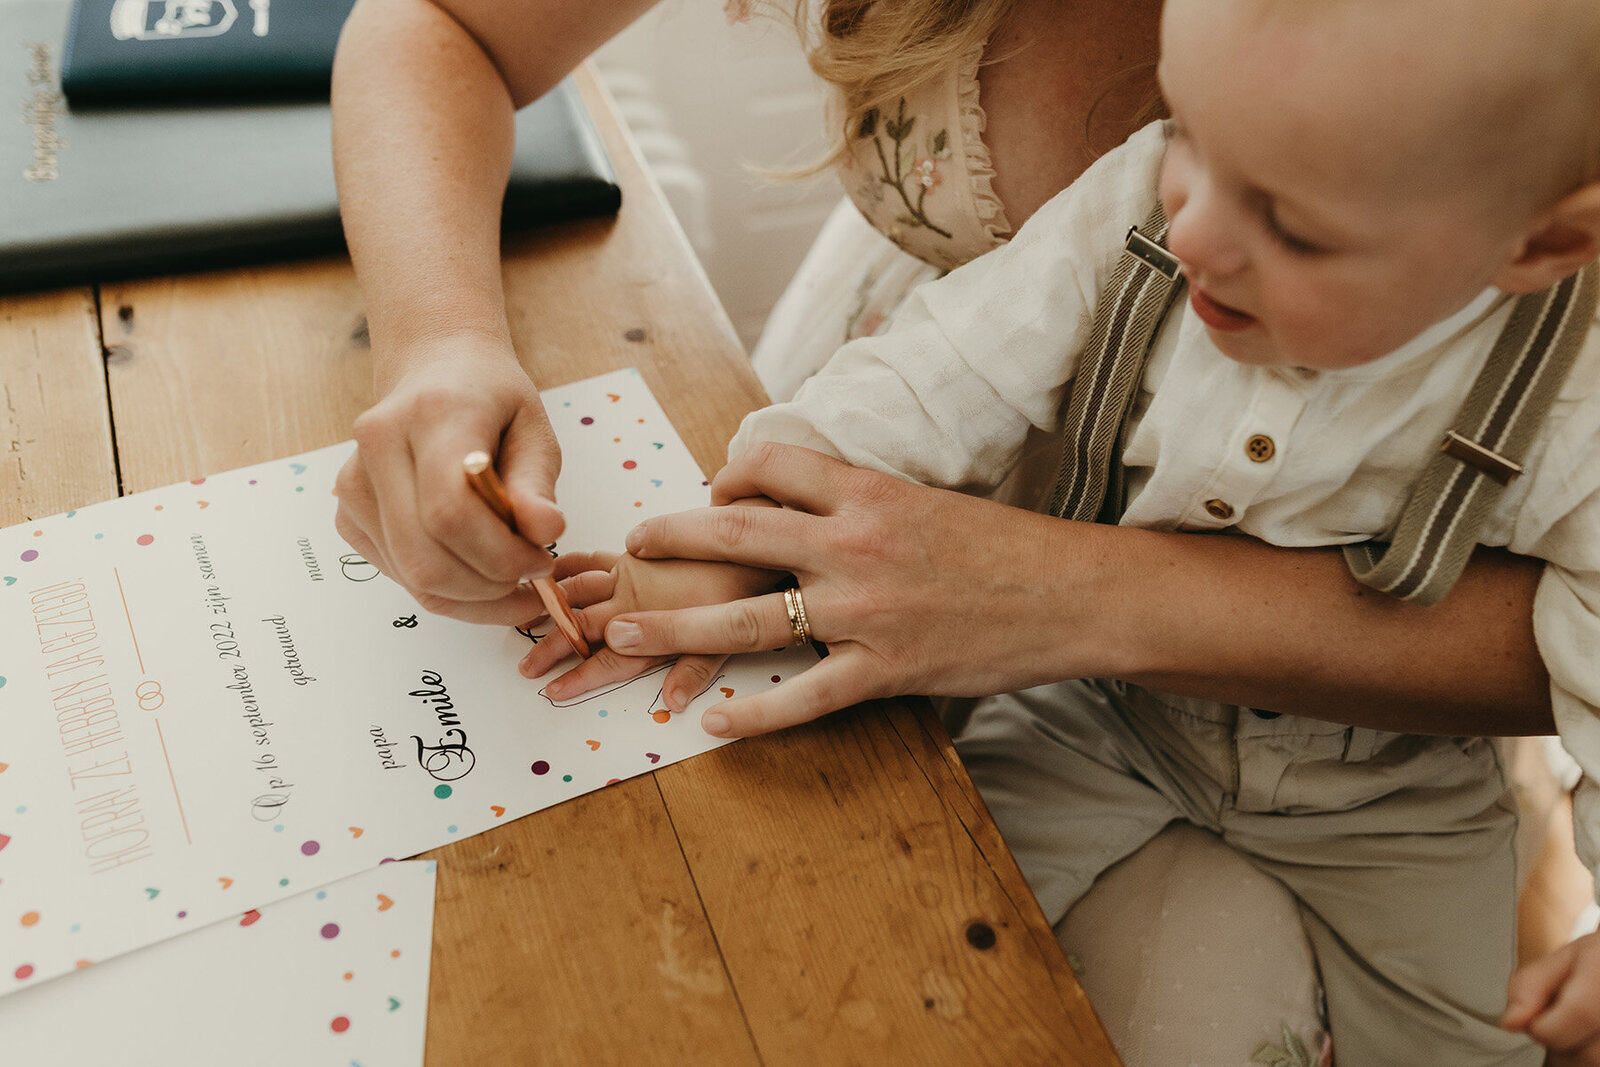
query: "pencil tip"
476, 462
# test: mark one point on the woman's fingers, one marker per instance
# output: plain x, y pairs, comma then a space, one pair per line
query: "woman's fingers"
793, 476
754, 624
757, 537
836, 682
688, 678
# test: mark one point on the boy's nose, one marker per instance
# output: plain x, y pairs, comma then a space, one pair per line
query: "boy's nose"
1199, 231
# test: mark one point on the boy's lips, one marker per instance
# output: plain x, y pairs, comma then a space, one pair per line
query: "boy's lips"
1215, 315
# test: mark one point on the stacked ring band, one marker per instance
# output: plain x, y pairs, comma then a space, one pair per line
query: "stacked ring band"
796, 608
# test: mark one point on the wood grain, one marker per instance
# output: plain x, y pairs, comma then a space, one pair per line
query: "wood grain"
55, 429
835, 893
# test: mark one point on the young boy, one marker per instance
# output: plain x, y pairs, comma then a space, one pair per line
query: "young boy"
1357, 191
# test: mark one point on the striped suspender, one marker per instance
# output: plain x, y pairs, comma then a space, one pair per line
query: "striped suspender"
1130, 311
1458, 490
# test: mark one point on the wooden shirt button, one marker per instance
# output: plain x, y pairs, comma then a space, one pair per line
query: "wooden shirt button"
1259, 448
1219, 509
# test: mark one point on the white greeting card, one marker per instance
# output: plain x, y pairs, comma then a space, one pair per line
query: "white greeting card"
209, 702
330, 978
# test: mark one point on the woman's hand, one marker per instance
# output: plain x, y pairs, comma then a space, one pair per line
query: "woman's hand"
406, 506
919, 590
602, 585
913, 590
1556, 1001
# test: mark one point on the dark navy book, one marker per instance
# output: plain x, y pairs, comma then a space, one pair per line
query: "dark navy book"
106, 193
190, 52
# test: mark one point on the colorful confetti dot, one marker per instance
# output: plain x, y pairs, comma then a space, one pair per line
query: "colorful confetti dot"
283, 881
348, 975
629, 464
30, 555
29, 918
540, 767
2, 681
587, 420
183, 915
661, 715
777, 677
449, 829
197, 481
25, 971
38, 533
144, 539
566, 777
339, 1025
604, 713
442, 791
322, 894
310, 848
330, 930
395, 954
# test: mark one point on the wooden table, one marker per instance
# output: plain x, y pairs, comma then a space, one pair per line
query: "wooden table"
832, 894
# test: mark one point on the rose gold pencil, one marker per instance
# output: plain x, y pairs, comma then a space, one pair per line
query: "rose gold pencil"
479, 468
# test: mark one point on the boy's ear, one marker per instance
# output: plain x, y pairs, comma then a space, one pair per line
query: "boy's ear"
1562, 242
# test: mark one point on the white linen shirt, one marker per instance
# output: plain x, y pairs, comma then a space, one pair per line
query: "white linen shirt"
977, 358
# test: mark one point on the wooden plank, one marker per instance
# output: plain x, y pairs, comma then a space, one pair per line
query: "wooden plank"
55, 428
860, 919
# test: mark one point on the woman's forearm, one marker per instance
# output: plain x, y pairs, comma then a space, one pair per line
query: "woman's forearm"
423, 98
422, 138
1289, 630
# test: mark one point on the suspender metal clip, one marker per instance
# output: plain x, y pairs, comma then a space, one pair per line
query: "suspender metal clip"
1475, 455
1152, 254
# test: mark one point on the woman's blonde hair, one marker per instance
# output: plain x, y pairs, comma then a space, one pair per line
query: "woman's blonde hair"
876, 51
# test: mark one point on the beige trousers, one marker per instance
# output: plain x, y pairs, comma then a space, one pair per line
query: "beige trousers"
1399, 848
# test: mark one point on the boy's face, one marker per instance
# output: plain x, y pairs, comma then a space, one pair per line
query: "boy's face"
1329, 187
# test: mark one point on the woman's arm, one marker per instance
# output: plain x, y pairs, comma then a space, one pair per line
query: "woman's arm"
919, 590
423, 97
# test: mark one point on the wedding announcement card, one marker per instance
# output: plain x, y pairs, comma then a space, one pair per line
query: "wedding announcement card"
209, 702
332, 977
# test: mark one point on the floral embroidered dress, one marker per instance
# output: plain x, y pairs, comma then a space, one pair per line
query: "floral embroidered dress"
918, 176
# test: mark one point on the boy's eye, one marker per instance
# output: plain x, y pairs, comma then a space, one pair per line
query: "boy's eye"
1290, 241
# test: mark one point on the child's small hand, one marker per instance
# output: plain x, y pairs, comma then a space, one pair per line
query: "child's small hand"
1556, 1001
601, 585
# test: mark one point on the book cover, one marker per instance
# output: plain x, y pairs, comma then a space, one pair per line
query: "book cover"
124, 52
115, 193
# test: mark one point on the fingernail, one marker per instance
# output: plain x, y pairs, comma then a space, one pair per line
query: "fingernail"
556, 690
624, 635
635, 538
715, 723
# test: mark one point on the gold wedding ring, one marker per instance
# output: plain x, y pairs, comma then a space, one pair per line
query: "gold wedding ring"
796, 607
